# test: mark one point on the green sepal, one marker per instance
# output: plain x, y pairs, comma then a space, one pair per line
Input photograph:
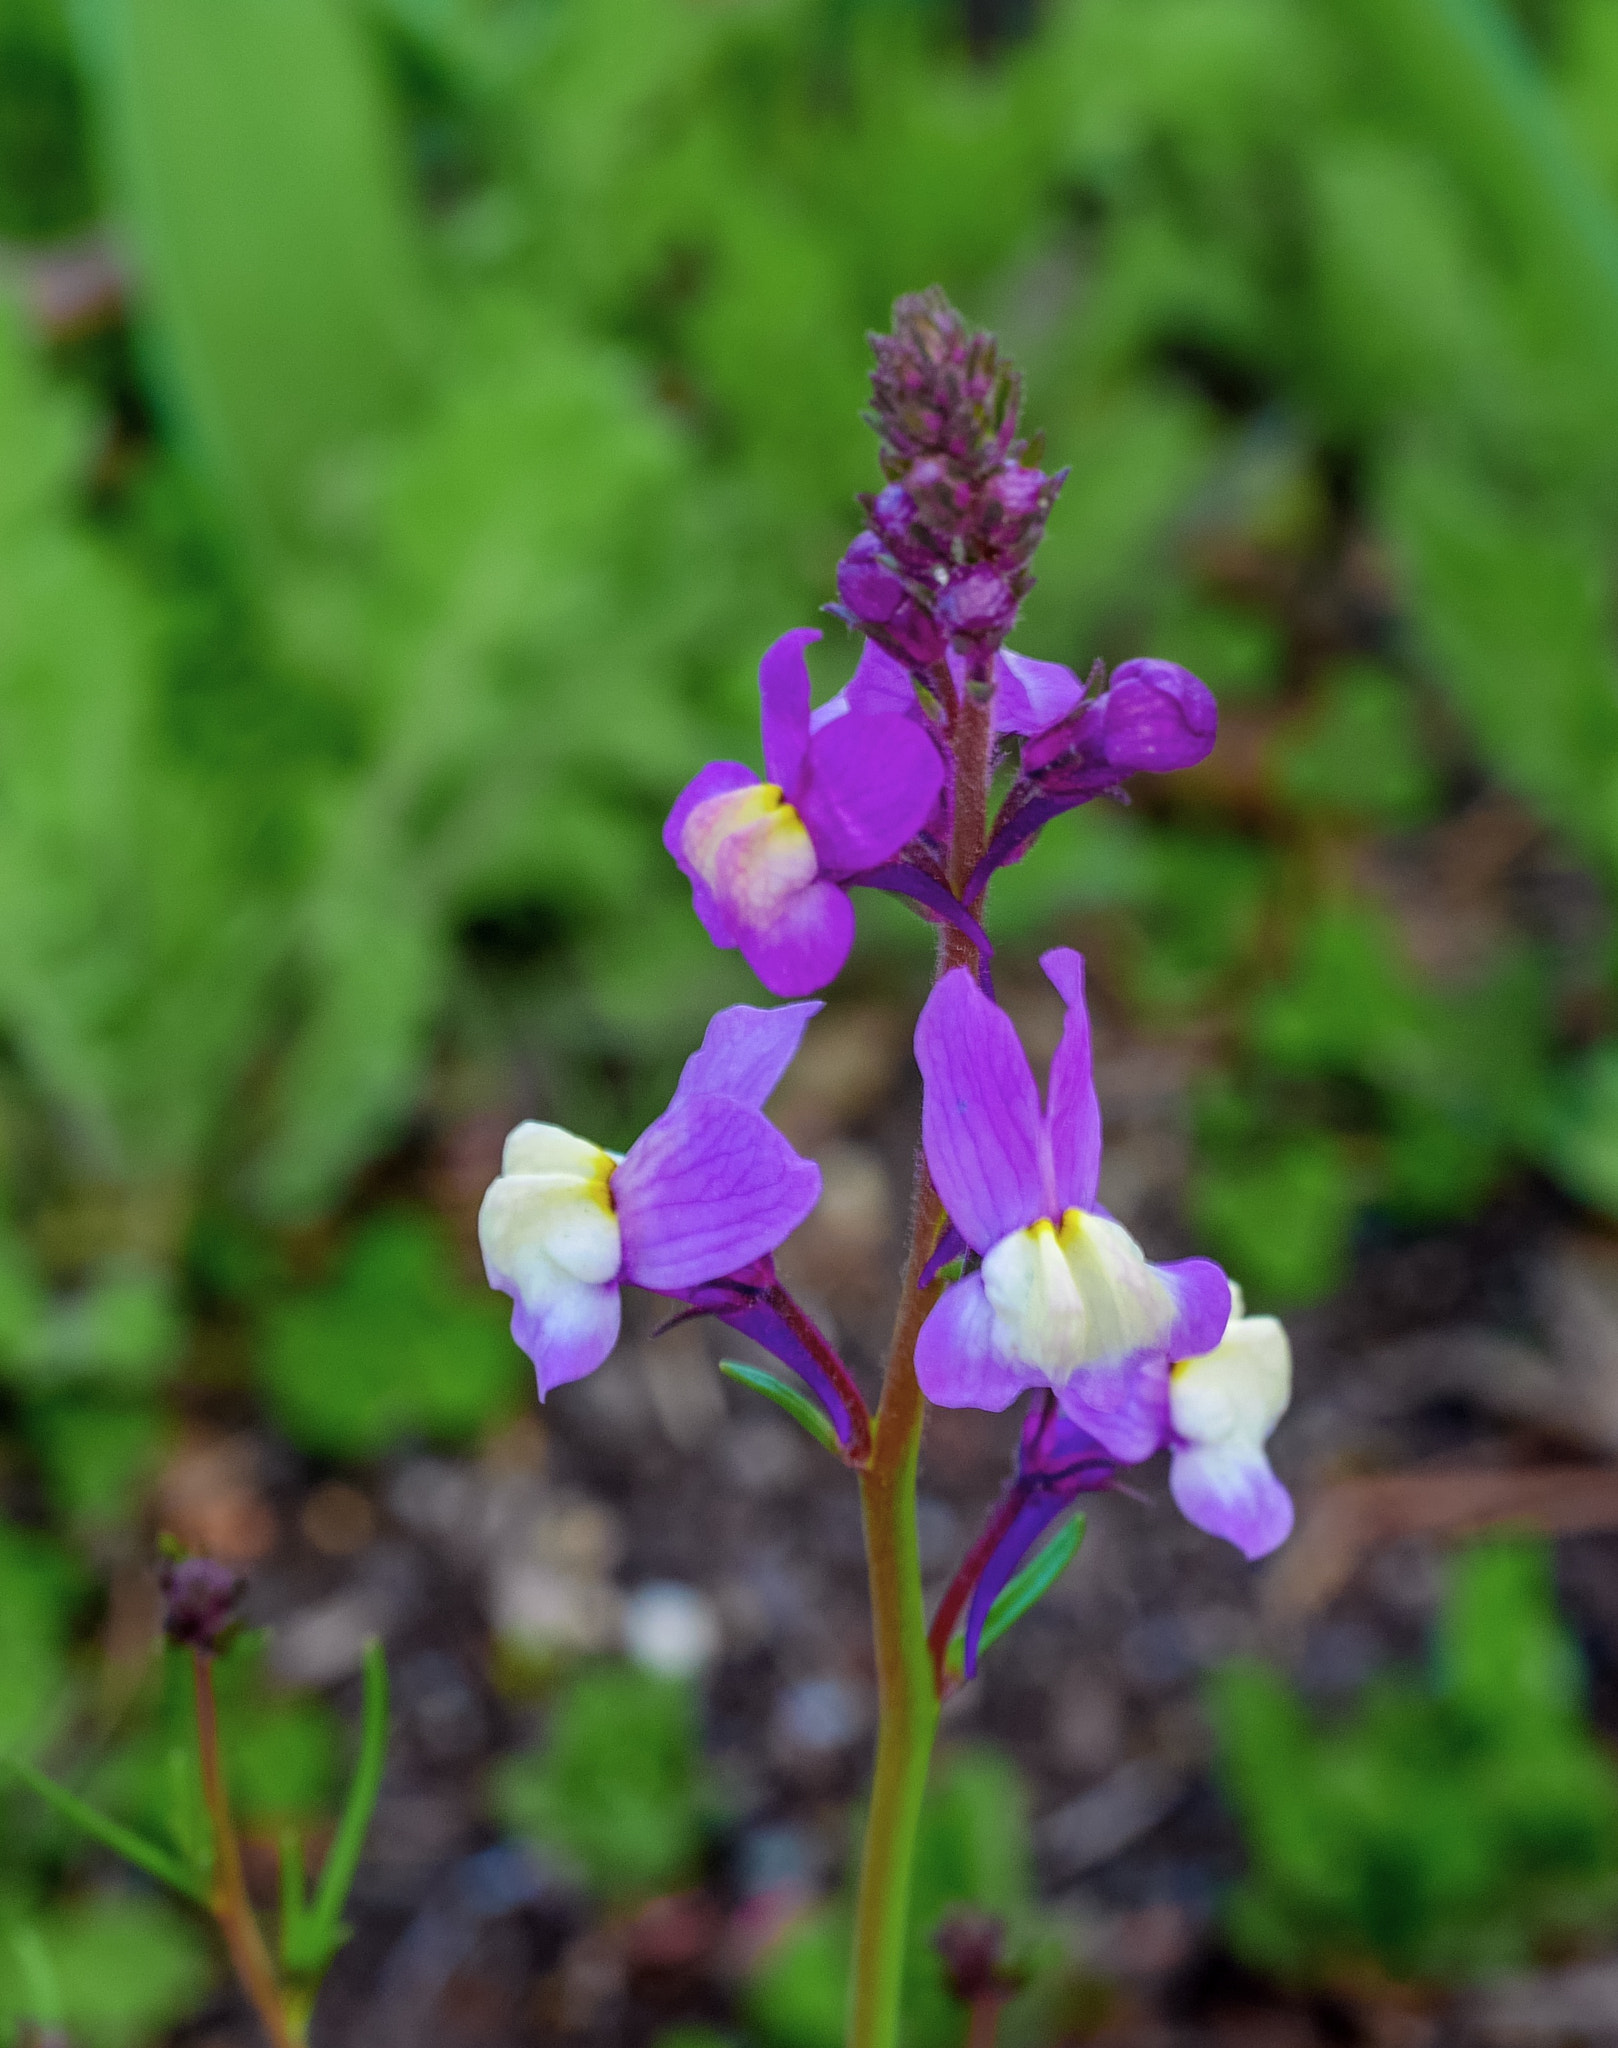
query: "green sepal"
785, 1396
113, 1834
1035, 1579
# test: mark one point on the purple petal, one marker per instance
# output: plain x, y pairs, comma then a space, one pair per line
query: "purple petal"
719, 778
882, 684
1073, 1116
1126, 1409
783, 682
1033, 1518
956, 1360
1031, 696
569, 1335
980, 1119
1157, 716
744, 1053
871, 784
1231, 1492
1204, 1297
1052, 1443
806, 946
708, 1187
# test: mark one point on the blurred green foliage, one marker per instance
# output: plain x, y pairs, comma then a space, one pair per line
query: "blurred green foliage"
619, 1789
1457, 1825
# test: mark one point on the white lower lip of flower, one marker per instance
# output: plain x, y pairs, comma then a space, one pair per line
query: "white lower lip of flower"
1236, 1393
1078, 1295
549, 1219
751, 849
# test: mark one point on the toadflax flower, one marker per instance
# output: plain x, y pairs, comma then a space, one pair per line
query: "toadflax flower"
769, 861
1064, 1297
1222, 1407
708, 1189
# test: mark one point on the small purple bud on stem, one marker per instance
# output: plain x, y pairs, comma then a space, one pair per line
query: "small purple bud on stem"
201, 1602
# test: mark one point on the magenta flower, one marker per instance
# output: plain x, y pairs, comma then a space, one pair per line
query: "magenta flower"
1064, 1297
707, 1190
769, 861
1029, 696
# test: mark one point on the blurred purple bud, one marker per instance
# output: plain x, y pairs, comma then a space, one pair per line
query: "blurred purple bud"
867, 582
1017, 491
892, 511
978, 605
201, 1602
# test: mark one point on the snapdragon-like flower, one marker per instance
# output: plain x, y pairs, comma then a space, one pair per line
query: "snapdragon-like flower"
1222, 1407
770, 861
706, 1191
1064, 1297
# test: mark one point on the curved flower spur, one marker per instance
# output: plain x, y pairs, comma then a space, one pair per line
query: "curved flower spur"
693, 1209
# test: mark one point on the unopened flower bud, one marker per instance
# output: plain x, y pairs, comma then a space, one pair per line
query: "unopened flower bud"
868, 583
201, 1602
978, 605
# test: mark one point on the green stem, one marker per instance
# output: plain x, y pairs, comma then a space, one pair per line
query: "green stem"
907, 1696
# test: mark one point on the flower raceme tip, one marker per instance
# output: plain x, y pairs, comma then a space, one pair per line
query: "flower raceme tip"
707, 1190
769, 859
1063, 1297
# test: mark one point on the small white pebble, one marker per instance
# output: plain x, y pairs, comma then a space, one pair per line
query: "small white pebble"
670, 1628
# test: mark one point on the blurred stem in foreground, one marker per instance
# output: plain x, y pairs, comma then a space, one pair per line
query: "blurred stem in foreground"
201, 1599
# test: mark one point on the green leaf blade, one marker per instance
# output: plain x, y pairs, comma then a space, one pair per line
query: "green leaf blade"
786, 1397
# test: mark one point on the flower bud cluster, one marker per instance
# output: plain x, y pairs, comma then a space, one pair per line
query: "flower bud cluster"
944, 559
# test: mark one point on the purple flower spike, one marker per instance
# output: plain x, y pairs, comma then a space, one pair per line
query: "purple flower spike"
1064, 1297
1057, 1461
1222, 1408
769, 861
1152, 718
709, 1188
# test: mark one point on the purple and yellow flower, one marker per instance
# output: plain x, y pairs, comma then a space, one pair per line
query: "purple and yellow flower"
704, 1192
1063, 1297
769, 861
1223, 1405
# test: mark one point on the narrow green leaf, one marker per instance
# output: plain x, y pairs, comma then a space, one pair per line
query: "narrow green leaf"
40, 1981
786, 1396
324, 1923
1036, 1578
112, 1834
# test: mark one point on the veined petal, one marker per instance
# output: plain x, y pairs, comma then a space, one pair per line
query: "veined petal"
719, 778
805, 945
1229, 1490
707, 1188
566, 1326
744, 1052
957, 1362
1031, 696
1073, 1115
871, 783
980, 1119
879, 684
783, 683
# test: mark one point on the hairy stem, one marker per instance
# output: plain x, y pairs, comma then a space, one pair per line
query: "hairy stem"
907, 1696
230, 1904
